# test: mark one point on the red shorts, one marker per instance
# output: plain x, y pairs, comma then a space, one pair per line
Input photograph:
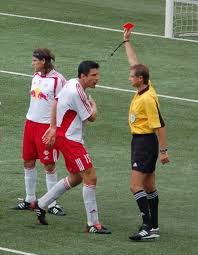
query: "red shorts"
76, 157
33, 147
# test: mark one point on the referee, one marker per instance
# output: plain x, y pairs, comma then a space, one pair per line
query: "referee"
147, 127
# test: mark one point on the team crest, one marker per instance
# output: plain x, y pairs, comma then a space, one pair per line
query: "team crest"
133, 117
46, 153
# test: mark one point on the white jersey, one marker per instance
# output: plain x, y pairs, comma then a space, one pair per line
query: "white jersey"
73, 109
43, 91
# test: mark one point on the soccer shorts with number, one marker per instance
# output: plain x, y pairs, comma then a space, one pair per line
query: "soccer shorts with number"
33, 147
76, 157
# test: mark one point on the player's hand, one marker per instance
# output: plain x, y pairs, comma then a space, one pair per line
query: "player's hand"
49, 137
164, 158
127, 34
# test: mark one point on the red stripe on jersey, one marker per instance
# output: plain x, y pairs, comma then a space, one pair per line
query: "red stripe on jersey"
63, 80
83, 98
66, 122
35, 74
55, 84
41, 75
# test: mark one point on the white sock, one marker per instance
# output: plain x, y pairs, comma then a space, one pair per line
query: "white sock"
51, 180
55, 192
30, 184
89, 197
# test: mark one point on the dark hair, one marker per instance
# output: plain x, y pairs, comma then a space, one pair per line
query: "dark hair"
85, 66
44, 53
141, 70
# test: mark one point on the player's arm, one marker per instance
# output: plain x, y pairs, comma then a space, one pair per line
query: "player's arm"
130, 52
163, 145
157, 123
49, 137
85, 107
53, 115
92, 118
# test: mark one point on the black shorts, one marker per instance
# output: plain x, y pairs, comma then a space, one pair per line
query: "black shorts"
144, 152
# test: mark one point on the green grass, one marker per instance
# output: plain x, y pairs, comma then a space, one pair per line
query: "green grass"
173, 66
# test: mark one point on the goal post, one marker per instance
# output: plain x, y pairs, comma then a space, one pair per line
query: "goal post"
181, 18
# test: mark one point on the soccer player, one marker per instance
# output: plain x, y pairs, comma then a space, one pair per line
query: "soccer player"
46, 84
70, 111
145, 121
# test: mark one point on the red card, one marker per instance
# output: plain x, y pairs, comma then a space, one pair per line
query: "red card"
128, 26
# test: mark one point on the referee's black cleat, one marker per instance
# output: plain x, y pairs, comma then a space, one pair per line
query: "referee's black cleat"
155, 232
144, 233
40, 213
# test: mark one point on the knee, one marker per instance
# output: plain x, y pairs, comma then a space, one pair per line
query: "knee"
50, 168
132, 189
135, 188
149, 189
92, 180
89, 177
29, 164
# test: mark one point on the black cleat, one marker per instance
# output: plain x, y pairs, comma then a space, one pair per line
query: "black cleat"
56, 210
97, 229
155, 232
40, 213
22, 205
144, 233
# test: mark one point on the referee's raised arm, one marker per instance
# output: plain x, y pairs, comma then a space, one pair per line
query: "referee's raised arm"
132, 57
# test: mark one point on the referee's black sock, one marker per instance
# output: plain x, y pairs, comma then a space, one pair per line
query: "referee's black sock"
153, 201
141, 198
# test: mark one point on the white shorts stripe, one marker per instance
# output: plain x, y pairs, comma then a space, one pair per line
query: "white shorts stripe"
80, 164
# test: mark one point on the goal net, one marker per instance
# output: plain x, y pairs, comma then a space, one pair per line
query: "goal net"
181, 18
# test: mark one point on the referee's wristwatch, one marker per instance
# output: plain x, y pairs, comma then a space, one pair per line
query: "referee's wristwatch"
163, 151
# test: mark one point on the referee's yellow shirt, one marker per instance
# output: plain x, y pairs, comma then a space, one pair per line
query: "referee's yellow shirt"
144, 114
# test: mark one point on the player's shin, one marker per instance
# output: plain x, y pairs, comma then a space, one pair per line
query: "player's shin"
30, 176
89, 197
51, 180
55, 192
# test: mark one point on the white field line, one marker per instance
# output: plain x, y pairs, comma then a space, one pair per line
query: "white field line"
10, 161
16, 252
112, 88
90, 26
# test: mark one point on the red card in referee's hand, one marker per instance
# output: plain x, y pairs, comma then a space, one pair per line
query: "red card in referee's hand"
128, 26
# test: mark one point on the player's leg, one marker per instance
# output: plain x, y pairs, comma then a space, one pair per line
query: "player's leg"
153, 200
80, 163
54, 193
89, 195
48, 156
143, 159
30, 171
60, 187
89, 198
51, 180
137, 188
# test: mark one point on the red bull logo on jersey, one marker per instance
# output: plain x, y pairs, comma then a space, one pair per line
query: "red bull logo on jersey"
37, 94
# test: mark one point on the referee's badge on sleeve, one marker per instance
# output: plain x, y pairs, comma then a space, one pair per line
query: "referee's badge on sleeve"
133, 117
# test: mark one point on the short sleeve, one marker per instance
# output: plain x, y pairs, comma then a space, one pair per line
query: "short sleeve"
58, 86
81, 104
152, 112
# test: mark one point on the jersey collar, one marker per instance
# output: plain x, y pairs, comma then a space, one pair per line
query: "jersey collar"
143, 91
